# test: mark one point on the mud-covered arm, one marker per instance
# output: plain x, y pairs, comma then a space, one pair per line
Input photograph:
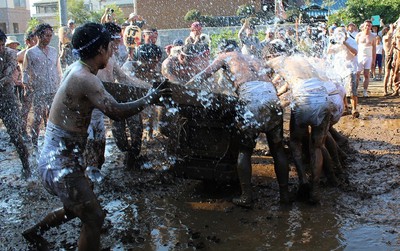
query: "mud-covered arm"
102, 100
217, 64
6, 76
122, 77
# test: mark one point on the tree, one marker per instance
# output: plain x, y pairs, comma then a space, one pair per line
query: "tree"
360, 10
77, 12
246, 10
193, 15
32, 23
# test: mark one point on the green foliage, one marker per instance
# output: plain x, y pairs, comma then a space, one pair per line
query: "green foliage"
224, 34
193, 15
360, 10
340, 17
32, 23
246, 10
77, 12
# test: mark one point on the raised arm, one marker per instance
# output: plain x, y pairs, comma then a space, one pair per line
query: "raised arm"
217, 64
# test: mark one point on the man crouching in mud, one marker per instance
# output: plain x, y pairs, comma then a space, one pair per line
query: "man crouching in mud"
261, 112
60, 163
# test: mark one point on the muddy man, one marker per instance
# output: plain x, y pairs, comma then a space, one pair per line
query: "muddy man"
61, 160
259, 112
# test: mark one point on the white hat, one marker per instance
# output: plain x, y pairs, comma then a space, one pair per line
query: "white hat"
71, 21
11, 40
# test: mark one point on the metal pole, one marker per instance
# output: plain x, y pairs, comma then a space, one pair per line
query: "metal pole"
135, 7
62, 4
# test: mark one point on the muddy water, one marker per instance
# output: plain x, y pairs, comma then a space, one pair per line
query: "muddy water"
152, 210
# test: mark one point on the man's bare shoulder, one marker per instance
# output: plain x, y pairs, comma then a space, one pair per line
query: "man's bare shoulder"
81, 80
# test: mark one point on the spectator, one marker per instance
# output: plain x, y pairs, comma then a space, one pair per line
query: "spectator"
352, 30
345, 63
9, 110
41, 75
65, 47
366, 53
195, 32
248, 39
379, 57
26, 102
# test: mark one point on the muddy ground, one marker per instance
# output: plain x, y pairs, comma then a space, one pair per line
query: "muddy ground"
150, 209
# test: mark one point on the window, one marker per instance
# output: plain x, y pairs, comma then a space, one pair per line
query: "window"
20, 3
16, 27
48, 8
3, 27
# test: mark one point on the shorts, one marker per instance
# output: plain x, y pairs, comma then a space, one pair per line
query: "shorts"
364, 63
336, 107
259, 111
311, 113
61, 169
388, 62
378, 60
351, 85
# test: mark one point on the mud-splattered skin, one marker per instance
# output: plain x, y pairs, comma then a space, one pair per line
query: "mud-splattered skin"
238, 73
81, 91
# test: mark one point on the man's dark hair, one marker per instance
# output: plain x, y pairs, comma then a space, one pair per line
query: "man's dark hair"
227, 45
113, 28
149, 52
89, 38
40, 28
3, 36
29, 35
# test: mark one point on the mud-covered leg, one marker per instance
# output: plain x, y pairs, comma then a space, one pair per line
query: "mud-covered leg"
318, 138
297, 135
53, 219
10, 115
332, 148
244, 174
281, 165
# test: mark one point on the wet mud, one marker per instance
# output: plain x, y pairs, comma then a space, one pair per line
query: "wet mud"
151, 209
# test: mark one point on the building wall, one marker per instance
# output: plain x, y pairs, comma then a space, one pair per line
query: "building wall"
10, 14
170, 14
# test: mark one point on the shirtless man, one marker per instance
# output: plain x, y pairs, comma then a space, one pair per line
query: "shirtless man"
41, 76
310, 108
366, 53
60, 163
9, 110
388, 48
259, 98
30, 41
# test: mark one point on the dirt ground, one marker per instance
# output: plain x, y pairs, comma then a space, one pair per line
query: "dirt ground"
150, 209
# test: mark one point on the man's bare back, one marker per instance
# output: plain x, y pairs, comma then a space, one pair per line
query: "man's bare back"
239, 68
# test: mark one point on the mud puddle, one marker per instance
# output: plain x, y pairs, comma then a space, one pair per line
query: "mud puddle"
150, 209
